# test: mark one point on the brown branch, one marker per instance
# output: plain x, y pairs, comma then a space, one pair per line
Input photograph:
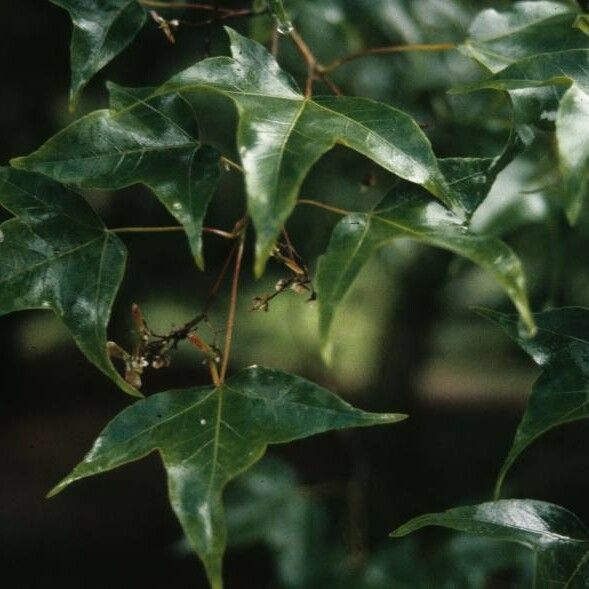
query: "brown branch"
331, 85
231, 164
384, 50
215, 290
315, 71
308, 57
232, 309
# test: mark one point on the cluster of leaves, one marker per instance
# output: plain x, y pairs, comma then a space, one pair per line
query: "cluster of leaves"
56, 253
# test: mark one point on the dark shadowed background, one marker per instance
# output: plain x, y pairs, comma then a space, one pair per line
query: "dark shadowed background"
318, 513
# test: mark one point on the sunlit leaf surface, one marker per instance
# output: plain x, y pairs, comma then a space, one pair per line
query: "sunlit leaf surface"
559, 539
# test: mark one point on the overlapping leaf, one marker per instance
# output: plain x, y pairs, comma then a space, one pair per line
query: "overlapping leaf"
498, 38
281, 134
207, 436
471, 179
151, 140
559, 539
102, 29
56, 254
408, 212
561, 393
539, 52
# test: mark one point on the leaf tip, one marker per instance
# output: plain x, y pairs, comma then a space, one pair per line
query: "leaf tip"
326, 351
488, 313
18, 162
57, 488
394, 417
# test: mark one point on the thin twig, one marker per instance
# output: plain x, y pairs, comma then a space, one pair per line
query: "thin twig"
231, 164
171, 229
214, 373
274, 42
321, 205
215, 290
232, 309
331, 85
308, 57
245, 13
383, 50
291, 250
185, 6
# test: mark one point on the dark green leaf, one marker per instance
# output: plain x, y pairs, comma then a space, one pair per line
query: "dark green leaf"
471, 179
412, 214
102, 29
554, 87
56, 254
149, 140
498, 38
281, 134
559, 538
560, 395
207, 436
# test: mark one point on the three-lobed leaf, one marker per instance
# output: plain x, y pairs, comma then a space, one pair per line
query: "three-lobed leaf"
408, 212
280, 135
561, 394
56, 254
141, 139
101, 30
559, 539
207, 436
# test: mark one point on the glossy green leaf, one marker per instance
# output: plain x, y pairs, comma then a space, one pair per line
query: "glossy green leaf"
56, 254
207, 436
102, 29
572, 131
281, 134
560, 395
498, 38
409, 213
554, 87
471, 179
151, 140
559, 539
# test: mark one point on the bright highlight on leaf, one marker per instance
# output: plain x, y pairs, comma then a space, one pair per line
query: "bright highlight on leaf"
56, 254
498, 38
561, 394
141, 139
408, 212
102, 29
539, 54
207, 436
281, 134
559, 539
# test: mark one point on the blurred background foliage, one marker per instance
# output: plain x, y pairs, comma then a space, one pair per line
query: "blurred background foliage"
316, 513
